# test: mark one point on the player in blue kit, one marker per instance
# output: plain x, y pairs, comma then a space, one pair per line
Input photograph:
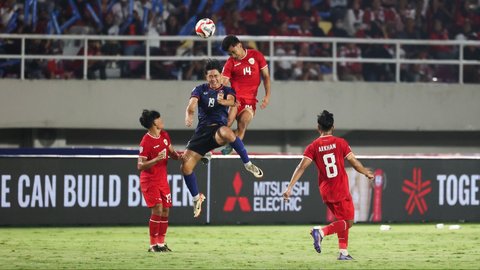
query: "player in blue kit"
213, 100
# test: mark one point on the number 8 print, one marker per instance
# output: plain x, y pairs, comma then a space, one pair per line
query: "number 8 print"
330, 166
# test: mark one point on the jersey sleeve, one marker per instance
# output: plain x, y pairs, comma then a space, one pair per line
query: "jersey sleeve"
262, 63
143, 149
167, 136
309, 152
230, 91
345, 148
195, 92
227, 68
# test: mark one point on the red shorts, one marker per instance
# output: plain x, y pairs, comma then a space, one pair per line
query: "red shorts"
342, 210
155, 194
246, 103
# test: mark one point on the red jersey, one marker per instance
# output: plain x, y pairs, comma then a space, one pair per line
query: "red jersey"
328, 153
244, 74
149, 148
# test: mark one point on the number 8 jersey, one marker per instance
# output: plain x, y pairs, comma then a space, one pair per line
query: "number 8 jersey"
329, 153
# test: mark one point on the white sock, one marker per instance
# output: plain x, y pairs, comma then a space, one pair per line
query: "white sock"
344, 252
247, 164
161, 245
196, 197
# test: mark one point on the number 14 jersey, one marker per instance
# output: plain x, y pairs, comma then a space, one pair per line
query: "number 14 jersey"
244, 74
329, 153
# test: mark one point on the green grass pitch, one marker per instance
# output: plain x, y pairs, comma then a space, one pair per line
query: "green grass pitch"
239, 247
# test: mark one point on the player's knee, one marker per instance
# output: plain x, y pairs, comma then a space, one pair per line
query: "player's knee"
157, 210
186, 170
165, 212
349, 223
241, 132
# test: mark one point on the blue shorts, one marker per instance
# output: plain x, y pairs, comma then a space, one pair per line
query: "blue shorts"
203, 140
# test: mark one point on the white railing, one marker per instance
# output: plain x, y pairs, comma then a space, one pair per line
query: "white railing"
271, 57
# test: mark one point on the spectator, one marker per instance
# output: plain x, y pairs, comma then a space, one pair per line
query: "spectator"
440, 10
131, 69
284, 68
94, 48
76, 67
418, 72
440, 33
465, 11
350, 71
234, 24
34, 69
308, 13
338, 9
354, 19
55, 67
377, 72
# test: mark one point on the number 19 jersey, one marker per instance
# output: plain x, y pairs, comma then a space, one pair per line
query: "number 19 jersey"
329, 153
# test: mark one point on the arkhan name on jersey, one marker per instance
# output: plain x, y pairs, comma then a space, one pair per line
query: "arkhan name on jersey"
327, 147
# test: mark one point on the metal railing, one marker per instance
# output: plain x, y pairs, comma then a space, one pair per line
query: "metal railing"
396, 45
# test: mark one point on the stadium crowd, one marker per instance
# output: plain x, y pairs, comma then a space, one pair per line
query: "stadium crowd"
380, 19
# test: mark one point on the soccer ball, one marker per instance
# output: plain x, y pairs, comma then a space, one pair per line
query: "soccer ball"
205, 28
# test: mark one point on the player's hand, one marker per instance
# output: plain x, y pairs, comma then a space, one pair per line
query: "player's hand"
175, 155
265, 102
370, 178
369, 175
286, 195
188, 121
162, 154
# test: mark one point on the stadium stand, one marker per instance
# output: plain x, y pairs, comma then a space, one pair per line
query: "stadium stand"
372, 19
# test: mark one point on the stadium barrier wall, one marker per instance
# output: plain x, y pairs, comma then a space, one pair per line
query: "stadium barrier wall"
117, 104
104, 190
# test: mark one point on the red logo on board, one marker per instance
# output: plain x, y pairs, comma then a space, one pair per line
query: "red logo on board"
416, 189
232, 200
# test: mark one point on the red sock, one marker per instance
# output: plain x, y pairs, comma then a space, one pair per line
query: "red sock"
335, 227
343, 239
162, 230
154, 225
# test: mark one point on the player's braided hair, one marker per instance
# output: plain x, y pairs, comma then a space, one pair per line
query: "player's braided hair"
148, 117
325, 120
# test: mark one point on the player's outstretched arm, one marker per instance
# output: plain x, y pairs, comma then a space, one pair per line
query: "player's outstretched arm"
173, 154
299, 170
225, 81
266, 85
190, 111
357, 165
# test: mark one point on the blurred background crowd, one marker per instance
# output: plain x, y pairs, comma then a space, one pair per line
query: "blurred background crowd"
375, 19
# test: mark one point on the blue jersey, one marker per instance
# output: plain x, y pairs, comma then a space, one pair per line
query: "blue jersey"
210, 112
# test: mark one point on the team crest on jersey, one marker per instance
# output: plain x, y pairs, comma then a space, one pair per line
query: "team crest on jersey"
140, 149
165, 141
251, 61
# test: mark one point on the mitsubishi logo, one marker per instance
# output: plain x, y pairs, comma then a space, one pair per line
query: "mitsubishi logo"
416, 189
232, 201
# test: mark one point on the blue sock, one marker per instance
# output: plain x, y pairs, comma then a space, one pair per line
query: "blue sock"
240, 149
191, 181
